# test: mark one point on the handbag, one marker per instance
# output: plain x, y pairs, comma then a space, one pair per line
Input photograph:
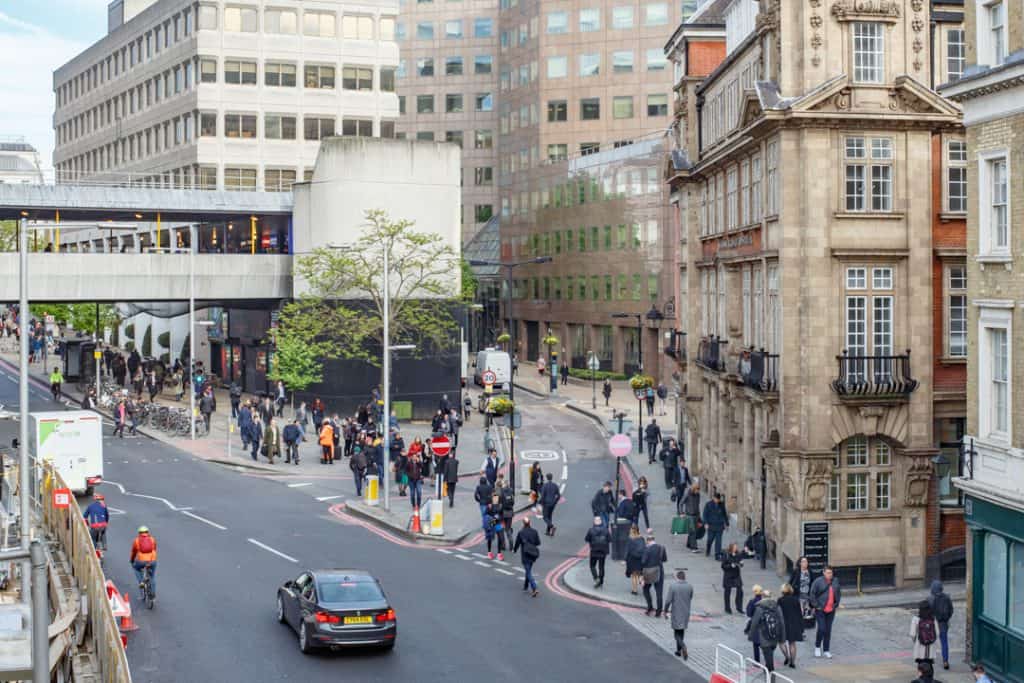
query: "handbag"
701, 529
652, 574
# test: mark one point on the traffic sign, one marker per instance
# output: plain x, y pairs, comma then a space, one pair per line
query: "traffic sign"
441, 445
593, 363
620, 445
640, 394
97, 354
61, 498
489, 377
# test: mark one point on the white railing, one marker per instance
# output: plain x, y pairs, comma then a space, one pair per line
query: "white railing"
734, 667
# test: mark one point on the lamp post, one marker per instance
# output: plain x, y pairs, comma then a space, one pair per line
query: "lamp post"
653, 315
509, 266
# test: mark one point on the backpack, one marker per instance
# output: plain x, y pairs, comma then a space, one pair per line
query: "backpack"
926, 631
146, 544
771, 629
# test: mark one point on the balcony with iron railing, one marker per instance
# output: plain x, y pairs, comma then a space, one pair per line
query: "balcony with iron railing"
759, 370
710, 354
874, 377
675, 347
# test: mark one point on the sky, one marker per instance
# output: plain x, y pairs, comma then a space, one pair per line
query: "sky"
36, 37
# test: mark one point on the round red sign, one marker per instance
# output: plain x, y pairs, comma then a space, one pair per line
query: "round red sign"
441, 445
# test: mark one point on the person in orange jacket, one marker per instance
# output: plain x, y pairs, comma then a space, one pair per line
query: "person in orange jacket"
144, 555
327, 442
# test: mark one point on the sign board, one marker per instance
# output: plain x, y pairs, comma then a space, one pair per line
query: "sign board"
489, 377
593, 363
97, 354
49, 319
815, 539
441, 445
61, 498
640, 394
620, 445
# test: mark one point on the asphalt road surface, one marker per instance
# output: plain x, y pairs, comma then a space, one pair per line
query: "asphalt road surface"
227, 540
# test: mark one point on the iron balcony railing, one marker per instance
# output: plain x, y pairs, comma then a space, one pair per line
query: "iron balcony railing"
867, 376
759, 370
710, 354
676, 346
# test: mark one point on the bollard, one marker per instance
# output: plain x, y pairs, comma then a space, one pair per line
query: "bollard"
436, 517
371, 490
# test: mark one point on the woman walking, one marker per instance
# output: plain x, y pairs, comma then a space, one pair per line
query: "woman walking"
731, 579
493, 527
793, 619
752, 634
767, 628
635, 559
800, 580
640, 503
924, 631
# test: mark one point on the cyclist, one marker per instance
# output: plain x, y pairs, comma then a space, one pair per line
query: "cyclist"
144, 555
97, 516
56, 379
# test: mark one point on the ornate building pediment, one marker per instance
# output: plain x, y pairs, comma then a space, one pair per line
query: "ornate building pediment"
750, 109
907, 96
871, 10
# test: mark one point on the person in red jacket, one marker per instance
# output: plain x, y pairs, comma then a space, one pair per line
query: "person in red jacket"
144, 555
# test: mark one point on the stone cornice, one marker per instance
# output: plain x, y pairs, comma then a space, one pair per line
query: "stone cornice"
870, 10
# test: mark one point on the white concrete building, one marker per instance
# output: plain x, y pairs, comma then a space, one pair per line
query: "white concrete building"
19, 161
232, 95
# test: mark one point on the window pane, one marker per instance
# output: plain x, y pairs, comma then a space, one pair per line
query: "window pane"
656, 60
622, 17
994, 592
1017, 584
590, 64
656, 14
557, 67
622, 107
590, 20
622, 61
558, 22
590, 109
868, 52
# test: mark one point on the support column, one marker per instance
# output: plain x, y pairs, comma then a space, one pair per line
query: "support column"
749, 473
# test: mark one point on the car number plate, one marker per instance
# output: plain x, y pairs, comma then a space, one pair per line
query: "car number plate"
358, 620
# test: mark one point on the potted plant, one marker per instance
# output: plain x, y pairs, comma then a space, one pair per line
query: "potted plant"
638, 382
500, 405
504, 338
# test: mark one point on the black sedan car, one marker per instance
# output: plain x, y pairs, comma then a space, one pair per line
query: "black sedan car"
337, 608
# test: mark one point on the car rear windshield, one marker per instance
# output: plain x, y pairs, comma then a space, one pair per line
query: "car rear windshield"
350, 591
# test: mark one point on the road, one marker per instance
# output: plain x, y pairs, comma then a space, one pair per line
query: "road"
227, 540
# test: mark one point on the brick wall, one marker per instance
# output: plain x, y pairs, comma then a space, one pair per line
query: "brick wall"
703, 56
954, 530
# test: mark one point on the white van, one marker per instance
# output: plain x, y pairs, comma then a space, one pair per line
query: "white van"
73, 441
497, 362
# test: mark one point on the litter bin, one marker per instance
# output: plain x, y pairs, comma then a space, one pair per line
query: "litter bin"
620, 538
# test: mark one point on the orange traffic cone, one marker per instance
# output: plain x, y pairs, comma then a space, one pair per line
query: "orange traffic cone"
127, 623
416, 529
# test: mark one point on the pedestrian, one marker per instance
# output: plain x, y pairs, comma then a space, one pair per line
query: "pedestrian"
152, 385
717, 521
801, 580
677, 604
451, 478
649, 399
235, 394
769, 626
490, 466
414, 472
599, 541
88, 399
691, 508
926, 674
207, 404
754, 545
454, 426
924, 631
603, 503
669, 457
635, 559
550, 495
357, 463
515, 364
280, 399
326, 443
536, 481
640, 503
942, 608
494, 527
316, 412
542, 365
244, 423
793, 620
753, 635
564, 372
824, 598
528, 546
653, 563
272, 440
625, 510
302, 418
291, 435
255, 434
606, 391
508, 510
662, 392
482, 496
652, 435
120, 417
732, 564
979, 674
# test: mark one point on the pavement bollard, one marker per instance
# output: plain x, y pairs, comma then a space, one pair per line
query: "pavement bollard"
436, 527
371, 491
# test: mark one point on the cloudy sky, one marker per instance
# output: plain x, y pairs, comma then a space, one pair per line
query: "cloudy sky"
37, 36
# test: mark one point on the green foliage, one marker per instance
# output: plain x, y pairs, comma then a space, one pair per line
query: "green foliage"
129, 330
500, 405
115, 337
296, 361
81, 317
504, 338
599, 375
147, 342
8, 236
61, 312
185, 349
470, 283
550, 340
165, 358
343, 313
129, 346
163, 340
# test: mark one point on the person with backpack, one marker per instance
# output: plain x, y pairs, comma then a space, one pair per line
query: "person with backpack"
528, 546
924, 632
600, 541
752, 635
942, 607
649, 399
770, 628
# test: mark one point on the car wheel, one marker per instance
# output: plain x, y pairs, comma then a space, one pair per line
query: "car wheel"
388, 647
280, 609
304, 645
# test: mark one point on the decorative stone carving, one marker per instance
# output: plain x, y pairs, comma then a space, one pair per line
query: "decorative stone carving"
917, 5
917, 24
841, 100
901, 100
918, 478
816, 476
853, 10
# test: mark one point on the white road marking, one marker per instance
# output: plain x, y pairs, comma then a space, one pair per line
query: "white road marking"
565, 472
166, 502
482, 564
323, 498
480, 555
464, 557
205, 521
504, 571
276, 552
565, 458
296, 486
115, 511
446, 552
561, 487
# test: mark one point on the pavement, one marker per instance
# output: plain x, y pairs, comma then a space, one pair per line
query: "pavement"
869, 636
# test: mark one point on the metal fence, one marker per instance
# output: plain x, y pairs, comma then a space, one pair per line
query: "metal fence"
67, 525
735, 667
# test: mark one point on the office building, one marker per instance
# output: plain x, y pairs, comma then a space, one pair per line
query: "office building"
19, 161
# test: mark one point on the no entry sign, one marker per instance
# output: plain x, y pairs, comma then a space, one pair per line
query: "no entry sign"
620, 445
441, 445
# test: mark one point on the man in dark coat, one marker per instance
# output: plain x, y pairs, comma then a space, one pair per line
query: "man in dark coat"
490, 467
528, 545
652, 435
654, 557
235, 392
669, 457
482, 496
451, 478
508, 509
550, 494
599, 540
691, 508
603, 503
678, 602
244, 423
291, 436
358, 464
717, 520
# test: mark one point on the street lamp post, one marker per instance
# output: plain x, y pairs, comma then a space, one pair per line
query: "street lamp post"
509, 266
640, 363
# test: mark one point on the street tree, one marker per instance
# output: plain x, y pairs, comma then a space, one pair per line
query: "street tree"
297, 360
343, 310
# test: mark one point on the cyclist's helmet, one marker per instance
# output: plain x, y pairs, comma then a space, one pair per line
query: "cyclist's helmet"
99, 496
143, 529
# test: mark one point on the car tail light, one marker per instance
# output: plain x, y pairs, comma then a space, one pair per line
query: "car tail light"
386, 616
327, 618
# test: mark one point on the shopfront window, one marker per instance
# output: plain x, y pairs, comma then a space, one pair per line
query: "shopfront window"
1017, 587
994, 591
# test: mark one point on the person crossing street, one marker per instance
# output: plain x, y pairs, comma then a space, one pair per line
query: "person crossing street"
550, 495
527, 544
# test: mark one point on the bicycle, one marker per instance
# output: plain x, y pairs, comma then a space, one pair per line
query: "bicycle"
147, 586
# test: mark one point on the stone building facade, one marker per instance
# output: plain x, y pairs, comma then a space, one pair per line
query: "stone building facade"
804, 187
